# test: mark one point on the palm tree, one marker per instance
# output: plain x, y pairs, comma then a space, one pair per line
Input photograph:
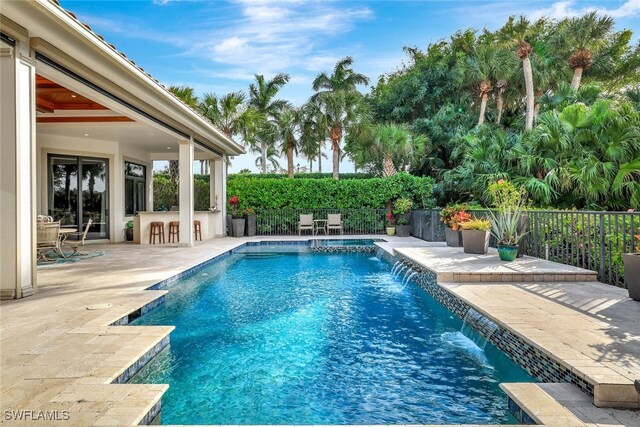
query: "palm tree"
288, 125
343, 78
340, 102
229, 113
185, 93
261, 98
314, 132
517, 34
389, 146
584, 38
271, 158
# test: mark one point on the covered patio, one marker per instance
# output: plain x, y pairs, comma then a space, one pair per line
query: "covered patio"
81, 128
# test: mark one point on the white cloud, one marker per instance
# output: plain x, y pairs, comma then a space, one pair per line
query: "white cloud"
568, 9
161, 2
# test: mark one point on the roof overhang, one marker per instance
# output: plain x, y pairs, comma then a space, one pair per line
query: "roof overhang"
62, 40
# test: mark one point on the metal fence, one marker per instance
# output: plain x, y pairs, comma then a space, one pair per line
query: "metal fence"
284, 222
592, 240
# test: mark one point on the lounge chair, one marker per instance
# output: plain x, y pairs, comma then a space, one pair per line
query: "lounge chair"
334, 222
75, 244
48, 235
306, 223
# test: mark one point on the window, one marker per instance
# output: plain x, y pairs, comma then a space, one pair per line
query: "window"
135, 182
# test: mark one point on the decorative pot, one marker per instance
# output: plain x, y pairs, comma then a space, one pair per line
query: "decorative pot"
405, 216
632, 275
453, 237
391, 231
507, 252
251, 225
403, 230
238, 227
128, 234
475, 241
229, 225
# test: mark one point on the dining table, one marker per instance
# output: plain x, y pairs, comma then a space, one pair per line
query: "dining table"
62, 236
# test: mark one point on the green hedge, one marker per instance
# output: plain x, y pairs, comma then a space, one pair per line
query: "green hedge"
314, 175
263, 193
278, 193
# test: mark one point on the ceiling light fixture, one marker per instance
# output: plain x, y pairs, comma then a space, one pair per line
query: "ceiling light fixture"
86, 134
168, 148
73, 96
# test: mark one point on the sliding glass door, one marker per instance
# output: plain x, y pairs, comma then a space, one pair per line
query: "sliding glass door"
79, 191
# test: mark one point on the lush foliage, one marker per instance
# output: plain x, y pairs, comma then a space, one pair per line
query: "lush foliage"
452, 215
314, 175
573, 82
264, 193
402, 205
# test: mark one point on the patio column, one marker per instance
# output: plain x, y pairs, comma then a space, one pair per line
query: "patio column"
185, 162
17, 171
219, 176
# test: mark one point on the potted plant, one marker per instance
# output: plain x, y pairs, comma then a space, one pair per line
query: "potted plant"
403, 229
506, 196
475, 235
236, 219
250, 215
505, 227
632, 271
402, 209
128, 231
452, 216
391, 224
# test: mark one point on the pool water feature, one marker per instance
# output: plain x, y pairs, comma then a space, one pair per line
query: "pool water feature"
295, 337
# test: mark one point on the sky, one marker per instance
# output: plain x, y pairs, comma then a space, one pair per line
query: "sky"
218, 46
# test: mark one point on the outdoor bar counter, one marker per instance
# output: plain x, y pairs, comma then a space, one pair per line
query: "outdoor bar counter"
142, 224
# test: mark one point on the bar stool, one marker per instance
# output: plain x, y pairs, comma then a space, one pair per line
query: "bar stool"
174, 231
197, 230
157, 229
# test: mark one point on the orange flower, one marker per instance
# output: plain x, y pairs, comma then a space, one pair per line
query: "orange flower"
501, 181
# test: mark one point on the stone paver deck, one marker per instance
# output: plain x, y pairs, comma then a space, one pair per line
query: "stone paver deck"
453, 265
57, 355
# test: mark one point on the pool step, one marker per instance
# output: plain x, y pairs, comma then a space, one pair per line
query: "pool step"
562, 405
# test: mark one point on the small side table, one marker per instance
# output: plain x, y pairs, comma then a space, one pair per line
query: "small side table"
320, 224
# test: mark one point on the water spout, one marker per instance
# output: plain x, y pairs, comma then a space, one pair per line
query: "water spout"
399, 272
395, 266
408, 278
478, 328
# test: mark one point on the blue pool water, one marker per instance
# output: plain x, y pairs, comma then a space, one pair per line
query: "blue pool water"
292, 337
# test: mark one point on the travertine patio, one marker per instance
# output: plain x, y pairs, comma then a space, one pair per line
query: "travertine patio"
58, 355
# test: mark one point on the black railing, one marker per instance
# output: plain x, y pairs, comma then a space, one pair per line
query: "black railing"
283, 222
588, 239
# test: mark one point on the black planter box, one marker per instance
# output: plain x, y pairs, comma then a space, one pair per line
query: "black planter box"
454, 237
403, 230
251, 225
632, 275
238, 227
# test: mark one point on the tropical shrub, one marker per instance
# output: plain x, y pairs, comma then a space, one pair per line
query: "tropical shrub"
402, 205
452, 215
476, 224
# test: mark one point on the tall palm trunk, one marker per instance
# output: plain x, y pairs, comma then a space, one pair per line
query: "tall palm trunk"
502, 85
483, 107
290, 161
577, 77
388, 168
336, 135
320, 159
264, 158
529, 94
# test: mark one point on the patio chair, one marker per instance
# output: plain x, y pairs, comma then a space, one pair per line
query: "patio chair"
75, 244
44, 218
334, 222
47, 239
306, 223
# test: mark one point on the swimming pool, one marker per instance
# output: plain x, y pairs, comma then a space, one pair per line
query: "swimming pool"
295, 337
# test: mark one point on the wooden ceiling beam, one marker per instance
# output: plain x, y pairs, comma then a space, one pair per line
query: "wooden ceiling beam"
84, 119
44, 106
80, 106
